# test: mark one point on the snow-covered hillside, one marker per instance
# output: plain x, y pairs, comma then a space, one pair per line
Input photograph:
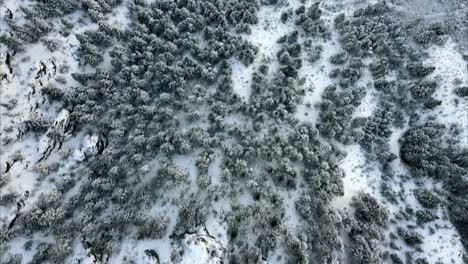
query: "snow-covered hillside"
233, 131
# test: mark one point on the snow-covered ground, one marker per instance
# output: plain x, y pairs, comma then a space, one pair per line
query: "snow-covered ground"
264, 35
20, 156
451, 72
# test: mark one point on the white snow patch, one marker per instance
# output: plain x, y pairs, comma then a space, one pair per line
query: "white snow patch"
202, 248
264, 36
120, 16
359, 176
188, 163
444, 244
134, 250
242, 79
317, 79
451, 72
292, 218
217, 228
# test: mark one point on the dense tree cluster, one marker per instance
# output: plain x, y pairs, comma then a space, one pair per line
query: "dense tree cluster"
309, 20
462, 91
382, 38
365, 231
279, 98
43, 16
369, 31
242, 220
435, 32
412, 238
325, 225
427, 151
131, 106
427, 198
336, 111
96, 9
288, 158
160, 69
93, 42
167, 95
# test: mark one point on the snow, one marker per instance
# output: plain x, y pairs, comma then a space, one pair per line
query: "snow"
317, 73
292, 218
132, 249
24, 88
199, 246
264, 36
217, 228
367, 107
214, 170
241, 79
195, 251
451, 72
370, 102
188, 163
119, 16
22, 181
360, 175
357, 177
267, 31
317, 80
441, 240
444, 244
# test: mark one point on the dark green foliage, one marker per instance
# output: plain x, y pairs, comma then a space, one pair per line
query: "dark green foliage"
7, 199
52, 91
425, 216
97, 8
296, 248
379, 68
339, 58
370, 217
152, 228
457, 210
279, 98
426, 151
421, 147
93, 42
247, 54
191, 216
418, 69
462, 91
421, 261
435, 32
373, 10
396, 259
284, 175
368, 210
383, 85
380, 124
42, 252
412, 238
336, 111
427, 198
423, 89
310, 20
37, 24
267, 242
315, 53
387, 191
168, 94
12, 259
365, 251
369, 31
